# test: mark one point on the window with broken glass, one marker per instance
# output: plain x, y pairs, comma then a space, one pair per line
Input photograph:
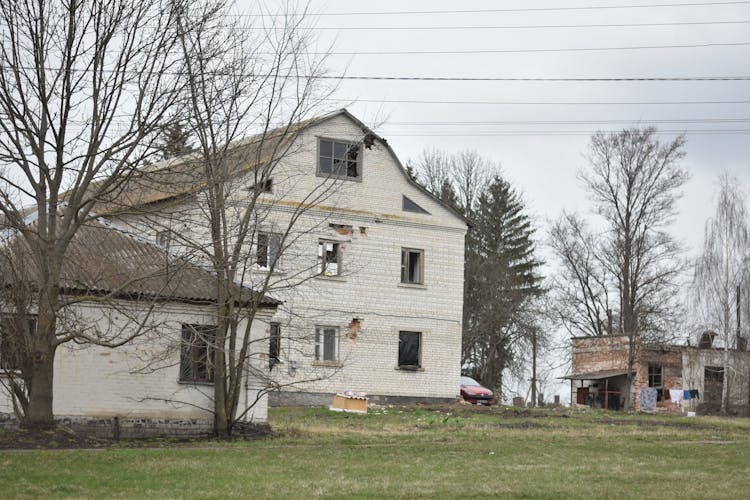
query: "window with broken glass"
654, 376
412, 266
267, 249
409, 350
329, 258
327, 343
339, 159
197, 353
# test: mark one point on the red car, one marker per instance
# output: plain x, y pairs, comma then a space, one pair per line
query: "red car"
474, 393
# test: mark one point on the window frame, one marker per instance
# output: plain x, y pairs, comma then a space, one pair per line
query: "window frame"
270, 236
320, 332
653, 376
198, 332
410, 367
13, 365
322, 257
274, 344
333, 173
406, 266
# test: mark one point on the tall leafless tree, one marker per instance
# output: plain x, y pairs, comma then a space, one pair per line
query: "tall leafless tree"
250, 86
633, 180
721, 269
84, 87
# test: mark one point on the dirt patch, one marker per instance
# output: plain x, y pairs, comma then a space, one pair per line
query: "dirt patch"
56, 439
64, 438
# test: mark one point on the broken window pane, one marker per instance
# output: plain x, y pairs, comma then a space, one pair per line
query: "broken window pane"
328, 258
339, 159
408, 349
411, 266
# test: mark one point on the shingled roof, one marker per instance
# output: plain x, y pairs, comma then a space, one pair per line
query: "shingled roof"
104, 260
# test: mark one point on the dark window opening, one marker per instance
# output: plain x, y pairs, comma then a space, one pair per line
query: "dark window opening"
410, 206
409, 350
329, 263
163, 238
411, 266
654, 376
339, 159
16, 332
265, 186
267, 249
326, 343
274, 345
713, 374
197, 353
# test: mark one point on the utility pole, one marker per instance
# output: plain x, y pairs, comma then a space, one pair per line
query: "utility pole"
533, 368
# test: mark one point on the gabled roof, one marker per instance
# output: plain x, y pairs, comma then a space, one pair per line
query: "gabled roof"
104, 260
177, 177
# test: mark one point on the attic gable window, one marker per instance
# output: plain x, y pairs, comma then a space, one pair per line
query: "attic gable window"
408, 205
339, 159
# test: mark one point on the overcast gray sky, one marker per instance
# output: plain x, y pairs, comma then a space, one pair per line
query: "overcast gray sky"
539, 130
530, 39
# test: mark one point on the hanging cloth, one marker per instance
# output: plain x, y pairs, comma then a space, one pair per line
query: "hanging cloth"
675, 395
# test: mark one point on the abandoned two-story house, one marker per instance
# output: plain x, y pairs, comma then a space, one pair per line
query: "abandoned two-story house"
679, 377
368, 266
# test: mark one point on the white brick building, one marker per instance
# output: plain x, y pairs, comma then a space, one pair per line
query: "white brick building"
120, 286
380, 306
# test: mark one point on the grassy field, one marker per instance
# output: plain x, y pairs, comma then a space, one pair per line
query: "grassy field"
448, 452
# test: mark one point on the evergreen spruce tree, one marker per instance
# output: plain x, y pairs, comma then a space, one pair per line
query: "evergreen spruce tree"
501, 280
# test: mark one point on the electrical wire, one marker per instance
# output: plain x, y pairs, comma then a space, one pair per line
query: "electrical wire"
522, 9
547, 102
526, 51
516, 26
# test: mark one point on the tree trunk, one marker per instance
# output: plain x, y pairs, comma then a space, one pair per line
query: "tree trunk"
39, 411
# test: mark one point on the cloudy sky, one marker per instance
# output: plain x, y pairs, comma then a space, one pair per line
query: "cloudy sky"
539, 130
525, 100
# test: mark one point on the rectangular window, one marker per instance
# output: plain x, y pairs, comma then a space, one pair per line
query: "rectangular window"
412, 266
329, 258
197, 353
654, 376
338, 159
268, 247
409, 350
326, 343
15, 331
713, 374
274, 345
163, 238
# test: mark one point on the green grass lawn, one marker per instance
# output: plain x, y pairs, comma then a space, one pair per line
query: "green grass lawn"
428, 452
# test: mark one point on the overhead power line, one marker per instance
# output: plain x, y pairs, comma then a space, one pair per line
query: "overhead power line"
520, 51
568, 122
522, 9
519, 26
540, 79
548, 102
531, 133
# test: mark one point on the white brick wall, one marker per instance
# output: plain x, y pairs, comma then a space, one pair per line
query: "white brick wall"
370, 287
139, 379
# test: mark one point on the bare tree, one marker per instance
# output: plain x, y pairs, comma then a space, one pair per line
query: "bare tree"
633, 180
581, 287
84, 87
248, 97
721, 269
